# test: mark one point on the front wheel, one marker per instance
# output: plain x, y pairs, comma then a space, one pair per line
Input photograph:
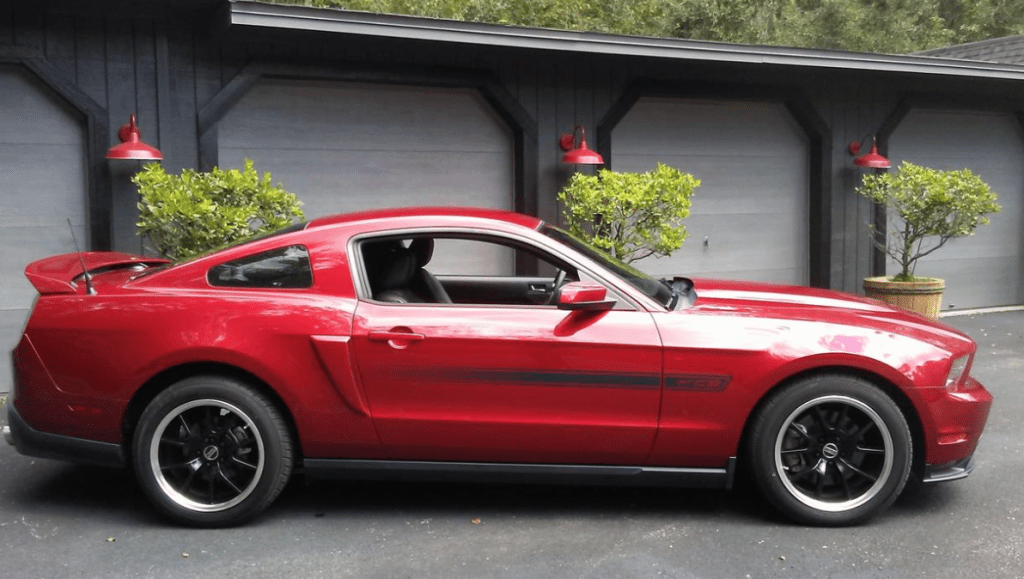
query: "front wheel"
211, 452
830, 450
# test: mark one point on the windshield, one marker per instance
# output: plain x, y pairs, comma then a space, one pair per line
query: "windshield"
657, 290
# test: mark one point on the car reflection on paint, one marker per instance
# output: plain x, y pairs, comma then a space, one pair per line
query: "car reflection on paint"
481, 345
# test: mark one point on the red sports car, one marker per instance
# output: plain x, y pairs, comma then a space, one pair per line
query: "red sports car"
451, 344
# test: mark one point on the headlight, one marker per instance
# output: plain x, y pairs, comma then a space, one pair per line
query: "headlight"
956, 371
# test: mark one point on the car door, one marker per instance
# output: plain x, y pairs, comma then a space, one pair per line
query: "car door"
509, 383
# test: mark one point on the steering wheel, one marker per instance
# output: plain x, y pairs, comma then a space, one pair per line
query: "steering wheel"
555, 284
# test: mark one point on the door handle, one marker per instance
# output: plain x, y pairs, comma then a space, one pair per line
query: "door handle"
394, 337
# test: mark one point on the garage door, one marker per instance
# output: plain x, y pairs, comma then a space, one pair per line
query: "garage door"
984, 269
749, 218
42, 183
346, 147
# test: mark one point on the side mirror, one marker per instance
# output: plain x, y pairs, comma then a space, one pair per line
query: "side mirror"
584, 295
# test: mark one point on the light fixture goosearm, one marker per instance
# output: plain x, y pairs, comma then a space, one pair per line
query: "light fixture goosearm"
131, 146
870, 160
581, 155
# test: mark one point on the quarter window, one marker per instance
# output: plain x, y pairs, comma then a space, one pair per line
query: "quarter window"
285, 267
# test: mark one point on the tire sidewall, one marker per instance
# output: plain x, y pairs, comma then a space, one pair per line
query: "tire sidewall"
774, 415
276, 448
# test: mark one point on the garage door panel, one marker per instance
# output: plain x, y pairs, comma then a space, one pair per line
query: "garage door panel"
41, 184
345, 147
327, 184
329, 116
36, 116
752, 203
726, 181
751, 240
981, 280
713, 129
984, 269
25, 244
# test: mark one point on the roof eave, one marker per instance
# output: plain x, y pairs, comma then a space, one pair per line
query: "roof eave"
301, 18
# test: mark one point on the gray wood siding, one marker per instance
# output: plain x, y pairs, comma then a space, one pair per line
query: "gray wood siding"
986, 268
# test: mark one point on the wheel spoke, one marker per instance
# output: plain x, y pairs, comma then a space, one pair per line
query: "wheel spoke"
177, 465
819, 414
801, 475
225, 478
212, 489
237, 460
842, 479
864, 430
799, 429
850, 466
173, 442
796, 450
188, 481
819, 487
870, 450
188, 431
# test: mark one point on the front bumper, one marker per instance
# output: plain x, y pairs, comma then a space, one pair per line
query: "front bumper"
948, 472
954, 422
32, 442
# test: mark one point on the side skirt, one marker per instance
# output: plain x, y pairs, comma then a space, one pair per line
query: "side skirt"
707, 478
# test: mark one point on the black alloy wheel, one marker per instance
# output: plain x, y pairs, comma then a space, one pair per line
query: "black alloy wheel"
830, 450
210, 451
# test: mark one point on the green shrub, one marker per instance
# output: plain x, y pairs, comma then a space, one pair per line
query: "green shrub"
630, 215
926, 203
187, 215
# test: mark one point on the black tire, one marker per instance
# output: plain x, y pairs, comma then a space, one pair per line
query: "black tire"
830, 450
210, 451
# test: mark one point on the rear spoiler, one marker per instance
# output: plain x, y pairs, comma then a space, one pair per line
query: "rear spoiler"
56, 275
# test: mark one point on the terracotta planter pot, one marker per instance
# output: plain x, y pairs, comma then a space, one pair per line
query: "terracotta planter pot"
923, 296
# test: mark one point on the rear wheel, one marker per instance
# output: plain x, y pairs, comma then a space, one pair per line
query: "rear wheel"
830, 450
211, 451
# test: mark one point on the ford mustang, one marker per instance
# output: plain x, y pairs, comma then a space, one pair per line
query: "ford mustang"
446, 344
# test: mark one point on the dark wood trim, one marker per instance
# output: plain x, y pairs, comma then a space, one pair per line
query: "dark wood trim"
165, 116
803, 112
217, 107
879, 217
96, 142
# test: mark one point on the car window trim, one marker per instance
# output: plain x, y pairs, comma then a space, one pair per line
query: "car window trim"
362, 287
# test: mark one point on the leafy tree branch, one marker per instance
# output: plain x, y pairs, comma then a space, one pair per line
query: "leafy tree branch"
630, 215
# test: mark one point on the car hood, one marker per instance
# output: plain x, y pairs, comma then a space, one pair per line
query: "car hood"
763, 300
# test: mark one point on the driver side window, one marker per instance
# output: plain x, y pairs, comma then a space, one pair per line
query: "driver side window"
454, 269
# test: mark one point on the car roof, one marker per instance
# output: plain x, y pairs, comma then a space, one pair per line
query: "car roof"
441, 212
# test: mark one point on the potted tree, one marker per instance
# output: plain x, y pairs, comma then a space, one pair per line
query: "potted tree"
926, 208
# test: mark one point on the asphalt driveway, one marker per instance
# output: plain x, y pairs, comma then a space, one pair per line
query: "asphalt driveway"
59, 520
